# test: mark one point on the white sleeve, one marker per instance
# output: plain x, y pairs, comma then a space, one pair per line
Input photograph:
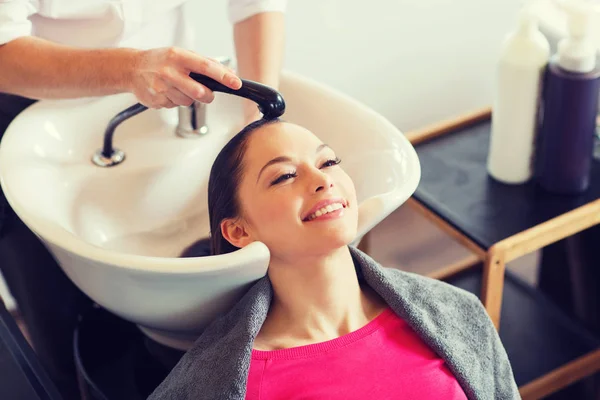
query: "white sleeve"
14, 18
241, 9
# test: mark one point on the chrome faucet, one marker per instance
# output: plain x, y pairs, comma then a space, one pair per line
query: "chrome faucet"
192, 119
269, 101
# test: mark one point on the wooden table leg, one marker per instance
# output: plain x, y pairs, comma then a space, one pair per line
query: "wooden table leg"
493, 283
562, 377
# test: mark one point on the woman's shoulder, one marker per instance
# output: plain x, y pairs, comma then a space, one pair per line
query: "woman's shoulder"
409, 283
452, 321
434, 296
422, 295
413, 281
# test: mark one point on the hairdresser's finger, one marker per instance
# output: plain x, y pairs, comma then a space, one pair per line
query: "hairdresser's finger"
178, 98
151, 99
191, 88
164, 102
224, 65
212, 69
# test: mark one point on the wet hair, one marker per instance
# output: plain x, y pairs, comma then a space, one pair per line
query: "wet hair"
223, 185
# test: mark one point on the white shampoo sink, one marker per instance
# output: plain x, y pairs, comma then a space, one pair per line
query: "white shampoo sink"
117, 232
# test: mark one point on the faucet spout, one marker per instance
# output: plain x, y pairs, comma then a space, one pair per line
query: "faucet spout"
108, 156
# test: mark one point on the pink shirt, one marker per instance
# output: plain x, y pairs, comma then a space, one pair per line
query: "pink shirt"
384, 359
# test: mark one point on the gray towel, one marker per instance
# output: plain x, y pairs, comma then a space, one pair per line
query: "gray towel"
450, 320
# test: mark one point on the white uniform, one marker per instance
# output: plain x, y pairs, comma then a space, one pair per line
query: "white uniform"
140, 24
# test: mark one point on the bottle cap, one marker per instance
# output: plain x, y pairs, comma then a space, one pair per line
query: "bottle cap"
577, 53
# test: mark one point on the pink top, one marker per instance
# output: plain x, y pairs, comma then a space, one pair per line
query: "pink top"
384, 359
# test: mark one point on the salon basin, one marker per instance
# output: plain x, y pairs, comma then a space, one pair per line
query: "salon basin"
118, 232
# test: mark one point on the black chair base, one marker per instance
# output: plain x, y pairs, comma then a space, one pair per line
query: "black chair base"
115, 361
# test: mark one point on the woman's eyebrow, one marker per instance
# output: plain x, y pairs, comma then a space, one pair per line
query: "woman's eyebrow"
322, 146
273, 161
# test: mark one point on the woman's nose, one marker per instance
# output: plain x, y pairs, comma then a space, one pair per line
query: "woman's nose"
322, 182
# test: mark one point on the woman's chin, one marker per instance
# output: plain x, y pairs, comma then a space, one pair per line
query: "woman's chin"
331, 241
316, 242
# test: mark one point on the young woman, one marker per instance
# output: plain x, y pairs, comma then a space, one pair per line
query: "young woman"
327, 322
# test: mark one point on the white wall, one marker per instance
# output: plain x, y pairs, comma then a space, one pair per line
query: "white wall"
414, 61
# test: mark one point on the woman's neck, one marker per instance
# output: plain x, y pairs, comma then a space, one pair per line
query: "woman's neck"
316, 300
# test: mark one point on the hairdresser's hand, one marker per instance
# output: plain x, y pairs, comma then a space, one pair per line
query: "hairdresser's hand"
161, 77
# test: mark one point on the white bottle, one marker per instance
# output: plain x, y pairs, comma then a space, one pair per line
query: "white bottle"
523, 59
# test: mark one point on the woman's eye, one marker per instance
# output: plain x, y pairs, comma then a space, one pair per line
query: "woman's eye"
284, 177
330, 163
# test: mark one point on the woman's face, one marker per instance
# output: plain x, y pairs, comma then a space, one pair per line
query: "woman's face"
294, 195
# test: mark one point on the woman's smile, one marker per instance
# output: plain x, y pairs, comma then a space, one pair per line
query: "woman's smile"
326, 210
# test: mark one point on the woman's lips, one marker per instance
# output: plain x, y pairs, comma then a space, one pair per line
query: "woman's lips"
326, 209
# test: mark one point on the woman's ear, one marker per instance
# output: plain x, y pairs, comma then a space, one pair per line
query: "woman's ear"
235, 232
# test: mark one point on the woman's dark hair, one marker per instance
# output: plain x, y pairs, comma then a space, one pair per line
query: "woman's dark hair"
223, 183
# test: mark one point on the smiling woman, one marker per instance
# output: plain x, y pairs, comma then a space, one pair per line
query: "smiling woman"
279, 184
325, 310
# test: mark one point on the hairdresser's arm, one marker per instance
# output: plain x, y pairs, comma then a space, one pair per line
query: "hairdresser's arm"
40, 69
259, 45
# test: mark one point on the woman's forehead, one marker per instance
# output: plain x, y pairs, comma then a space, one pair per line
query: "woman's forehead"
281, 139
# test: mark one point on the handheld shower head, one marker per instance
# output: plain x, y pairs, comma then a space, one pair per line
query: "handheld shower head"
270, 102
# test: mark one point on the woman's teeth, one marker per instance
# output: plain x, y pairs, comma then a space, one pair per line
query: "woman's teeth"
325, 210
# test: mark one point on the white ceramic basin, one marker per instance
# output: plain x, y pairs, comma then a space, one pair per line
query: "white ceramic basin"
117, 232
